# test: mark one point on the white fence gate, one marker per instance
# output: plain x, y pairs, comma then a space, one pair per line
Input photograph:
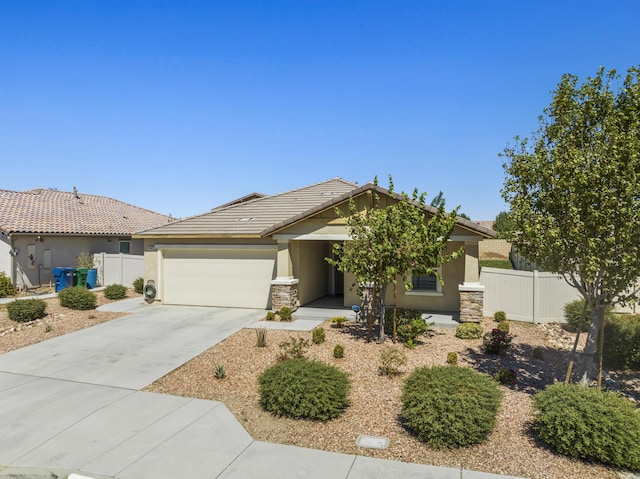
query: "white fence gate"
118, 268
531, 296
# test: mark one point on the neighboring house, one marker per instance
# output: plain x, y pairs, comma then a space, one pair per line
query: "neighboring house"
42, 229
270, 252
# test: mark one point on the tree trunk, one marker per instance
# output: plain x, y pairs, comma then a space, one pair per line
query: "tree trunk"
572, 357
395, 302
600, 354
372, 300
380, 305
585, 365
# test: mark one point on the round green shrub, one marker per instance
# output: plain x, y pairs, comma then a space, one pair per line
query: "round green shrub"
622, 341
589, 424
285, 313
318, 336
77, 297
573, 315
338, 351
450, 406
271, 316
452, 358
300, 388
138, 285
6, 288
25, 310
504, 326
500, 316
469, 331
115, 291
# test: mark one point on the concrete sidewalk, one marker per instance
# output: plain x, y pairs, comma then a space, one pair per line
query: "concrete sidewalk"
73, 404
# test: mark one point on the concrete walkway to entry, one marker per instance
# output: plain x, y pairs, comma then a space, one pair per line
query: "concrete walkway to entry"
74, 404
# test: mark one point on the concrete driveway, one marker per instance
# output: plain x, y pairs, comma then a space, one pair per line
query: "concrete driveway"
73, 404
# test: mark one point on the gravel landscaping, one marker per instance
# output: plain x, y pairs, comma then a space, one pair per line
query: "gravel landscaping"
375, 408
57, 322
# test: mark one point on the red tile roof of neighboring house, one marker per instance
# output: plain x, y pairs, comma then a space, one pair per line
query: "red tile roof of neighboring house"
57, 212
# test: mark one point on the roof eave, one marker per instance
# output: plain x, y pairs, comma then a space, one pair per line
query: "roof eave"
197, 236
462, 222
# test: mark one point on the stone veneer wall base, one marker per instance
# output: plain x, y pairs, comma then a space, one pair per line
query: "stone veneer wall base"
284, 293
471, 303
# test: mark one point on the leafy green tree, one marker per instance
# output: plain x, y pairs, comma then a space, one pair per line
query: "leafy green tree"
504, 225
574, 191
388, 244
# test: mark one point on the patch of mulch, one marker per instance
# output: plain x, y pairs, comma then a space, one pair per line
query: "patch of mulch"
375, 407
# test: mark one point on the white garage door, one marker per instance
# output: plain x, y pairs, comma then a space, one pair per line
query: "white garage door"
238, 278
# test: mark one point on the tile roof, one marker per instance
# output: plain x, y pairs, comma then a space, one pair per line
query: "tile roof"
253, 218
57, 212
261, 217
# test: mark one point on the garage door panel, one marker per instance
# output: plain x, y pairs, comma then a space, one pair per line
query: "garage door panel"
231, 278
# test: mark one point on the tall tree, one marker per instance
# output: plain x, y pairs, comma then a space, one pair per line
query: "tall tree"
504, 225
574, 191
388, 244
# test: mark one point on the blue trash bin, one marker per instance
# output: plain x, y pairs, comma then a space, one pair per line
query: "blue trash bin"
58, 279
92, 278
66, 279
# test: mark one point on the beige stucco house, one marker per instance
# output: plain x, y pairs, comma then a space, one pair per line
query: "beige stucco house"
270, 252
42, 229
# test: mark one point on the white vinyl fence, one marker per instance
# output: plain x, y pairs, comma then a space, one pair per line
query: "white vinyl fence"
118, 268
531, 296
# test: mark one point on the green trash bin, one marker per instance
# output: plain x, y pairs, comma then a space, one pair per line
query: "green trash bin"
81, 277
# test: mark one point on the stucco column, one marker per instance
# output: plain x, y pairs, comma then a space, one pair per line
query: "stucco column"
284, 289
284, 267
471, 264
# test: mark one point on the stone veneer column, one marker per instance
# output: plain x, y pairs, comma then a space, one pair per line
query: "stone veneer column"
471, 302
284, 292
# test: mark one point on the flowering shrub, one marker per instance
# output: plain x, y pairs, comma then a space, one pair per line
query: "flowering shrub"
409, 332
506, 376
496, 342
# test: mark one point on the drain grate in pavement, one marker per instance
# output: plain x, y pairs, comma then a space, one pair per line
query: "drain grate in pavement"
372, 442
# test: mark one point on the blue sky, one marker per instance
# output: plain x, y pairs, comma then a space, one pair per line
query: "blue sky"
181, 106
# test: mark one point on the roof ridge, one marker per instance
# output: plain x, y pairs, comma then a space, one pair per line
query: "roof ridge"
355, 185
267, 197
